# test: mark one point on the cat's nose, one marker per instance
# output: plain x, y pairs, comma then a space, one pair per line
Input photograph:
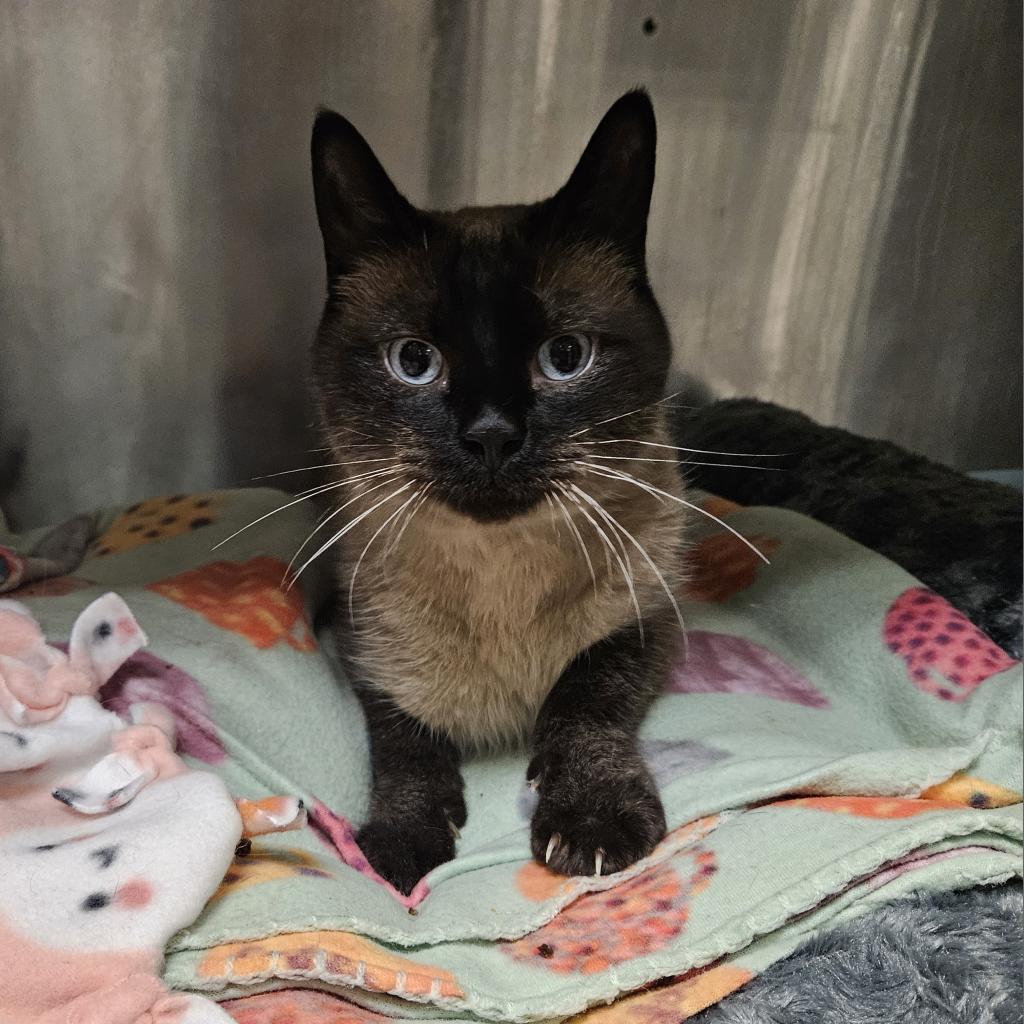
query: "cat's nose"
493, 437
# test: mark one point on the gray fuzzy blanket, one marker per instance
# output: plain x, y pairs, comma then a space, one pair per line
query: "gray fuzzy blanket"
945, 958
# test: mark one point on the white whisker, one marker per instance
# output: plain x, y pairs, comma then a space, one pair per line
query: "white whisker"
356, 478
695, 451
579, 538
623, 415
359, 561
610, 473
612, 521
393, 474
554, 521
360, 444
686, 462
615, 537
622, 567
352, 430
394, 542
348, 526
682, 501
327, 465
327, 513
313, 492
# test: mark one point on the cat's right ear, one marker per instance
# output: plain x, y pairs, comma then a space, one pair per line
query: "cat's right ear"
356, 203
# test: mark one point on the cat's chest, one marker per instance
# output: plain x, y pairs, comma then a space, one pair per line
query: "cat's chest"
469, 633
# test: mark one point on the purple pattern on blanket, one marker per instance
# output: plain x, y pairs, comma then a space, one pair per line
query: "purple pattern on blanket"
144, 677
719, 663
339, 835
669, 760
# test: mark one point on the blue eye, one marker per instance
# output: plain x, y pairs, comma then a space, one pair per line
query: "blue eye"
565, 356
413, 361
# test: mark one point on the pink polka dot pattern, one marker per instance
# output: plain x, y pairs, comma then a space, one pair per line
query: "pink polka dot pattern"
945, 653
633, 918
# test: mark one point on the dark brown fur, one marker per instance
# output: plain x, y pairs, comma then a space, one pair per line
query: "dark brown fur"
518, 595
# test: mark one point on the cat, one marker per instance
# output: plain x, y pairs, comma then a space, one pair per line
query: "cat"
486, 381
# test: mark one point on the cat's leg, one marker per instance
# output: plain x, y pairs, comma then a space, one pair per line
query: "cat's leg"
598, 809
416, 804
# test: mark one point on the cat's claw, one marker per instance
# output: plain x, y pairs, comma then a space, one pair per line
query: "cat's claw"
599, 828
552, 846
455, 829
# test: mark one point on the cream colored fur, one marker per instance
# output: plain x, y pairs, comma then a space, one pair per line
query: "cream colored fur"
467, 626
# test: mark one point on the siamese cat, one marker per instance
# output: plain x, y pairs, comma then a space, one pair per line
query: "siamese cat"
488, 381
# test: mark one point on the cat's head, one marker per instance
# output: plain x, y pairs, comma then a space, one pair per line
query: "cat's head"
476, 347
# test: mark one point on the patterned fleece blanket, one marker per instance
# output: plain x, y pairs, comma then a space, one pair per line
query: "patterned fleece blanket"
835, 735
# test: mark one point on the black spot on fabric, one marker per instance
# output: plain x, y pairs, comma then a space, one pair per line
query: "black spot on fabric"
203, 504
546, 951
979, 800
649, 27
95, 901
175, 499
134, 508
19, 740
103, 631
152, 533
46, 847
201, 521
134, 528
168, 520
104, 856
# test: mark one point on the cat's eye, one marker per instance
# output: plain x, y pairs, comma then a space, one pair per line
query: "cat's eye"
565, 356
413, 361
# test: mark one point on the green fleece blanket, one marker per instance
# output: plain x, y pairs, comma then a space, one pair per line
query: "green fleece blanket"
836, 735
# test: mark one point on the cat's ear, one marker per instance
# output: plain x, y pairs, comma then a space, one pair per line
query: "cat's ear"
356, 203
608, 195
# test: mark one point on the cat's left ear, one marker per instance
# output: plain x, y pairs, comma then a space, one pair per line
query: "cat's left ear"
608, 195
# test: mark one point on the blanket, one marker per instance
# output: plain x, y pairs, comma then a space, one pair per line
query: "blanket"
90, 896
832, 735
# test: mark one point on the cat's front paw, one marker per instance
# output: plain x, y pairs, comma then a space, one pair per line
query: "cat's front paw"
587, 824
403, 852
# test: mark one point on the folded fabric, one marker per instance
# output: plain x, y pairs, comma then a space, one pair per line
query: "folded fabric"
90, 896
56, 553
832, 734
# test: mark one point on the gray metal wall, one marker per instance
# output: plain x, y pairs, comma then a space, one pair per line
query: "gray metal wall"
836, 222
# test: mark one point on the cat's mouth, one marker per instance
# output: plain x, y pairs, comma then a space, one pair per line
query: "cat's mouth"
496, 501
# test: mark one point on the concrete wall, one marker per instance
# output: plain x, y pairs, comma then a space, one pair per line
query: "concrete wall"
836, 222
